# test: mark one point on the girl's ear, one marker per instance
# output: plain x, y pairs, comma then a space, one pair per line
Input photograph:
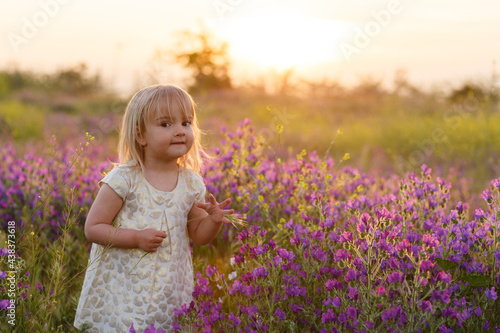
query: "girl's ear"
139, 137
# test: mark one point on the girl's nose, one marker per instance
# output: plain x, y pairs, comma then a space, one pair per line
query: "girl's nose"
179, 131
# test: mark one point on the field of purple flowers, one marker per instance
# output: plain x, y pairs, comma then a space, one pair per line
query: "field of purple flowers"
328, 248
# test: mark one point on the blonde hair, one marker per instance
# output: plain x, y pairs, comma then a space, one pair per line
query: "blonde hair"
145, 104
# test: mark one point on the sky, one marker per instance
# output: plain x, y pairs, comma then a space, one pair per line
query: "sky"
438, 42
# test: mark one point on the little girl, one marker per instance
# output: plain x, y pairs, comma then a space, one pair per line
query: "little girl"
140, 266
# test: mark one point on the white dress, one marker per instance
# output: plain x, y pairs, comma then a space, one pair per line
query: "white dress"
122, 287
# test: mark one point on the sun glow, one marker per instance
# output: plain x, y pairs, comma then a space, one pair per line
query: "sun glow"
284, 42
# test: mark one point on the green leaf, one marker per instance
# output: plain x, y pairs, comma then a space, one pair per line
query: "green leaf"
477, 280
446, 265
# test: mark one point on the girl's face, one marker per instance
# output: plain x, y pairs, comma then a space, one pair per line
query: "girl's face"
168, 136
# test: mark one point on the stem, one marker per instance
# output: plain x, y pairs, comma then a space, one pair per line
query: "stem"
59, 181
497, 212
369, 273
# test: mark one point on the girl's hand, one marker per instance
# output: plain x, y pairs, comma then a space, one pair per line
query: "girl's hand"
215, 210
149, 240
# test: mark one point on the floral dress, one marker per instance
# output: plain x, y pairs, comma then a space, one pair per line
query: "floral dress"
129, 286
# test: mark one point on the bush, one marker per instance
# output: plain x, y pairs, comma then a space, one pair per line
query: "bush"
20, 121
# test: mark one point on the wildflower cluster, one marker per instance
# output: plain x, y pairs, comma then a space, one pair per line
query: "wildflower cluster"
341, 251
327, 249
45, 195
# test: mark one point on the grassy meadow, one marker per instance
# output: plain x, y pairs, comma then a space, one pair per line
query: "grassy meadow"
346, 224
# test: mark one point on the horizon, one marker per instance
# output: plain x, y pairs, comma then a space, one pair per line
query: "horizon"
318, 41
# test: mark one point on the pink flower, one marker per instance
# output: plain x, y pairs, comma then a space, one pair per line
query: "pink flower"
380, 291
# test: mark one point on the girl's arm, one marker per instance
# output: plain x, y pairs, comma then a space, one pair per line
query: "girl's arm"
205, 220
98, 228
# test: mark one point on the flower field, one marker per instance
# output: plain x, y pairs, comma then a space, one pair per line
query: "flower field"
328, 248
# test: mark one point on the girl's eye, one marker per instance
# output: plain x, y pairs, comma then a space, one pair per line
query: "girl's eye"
186, 123
165, 124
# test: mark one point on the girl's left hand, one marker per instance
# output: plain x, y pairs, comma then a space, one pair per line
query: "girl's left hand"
216, 210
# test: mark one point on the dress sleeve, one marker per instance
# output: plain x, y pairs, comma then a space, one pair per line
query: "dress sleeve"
199, 187
118, 180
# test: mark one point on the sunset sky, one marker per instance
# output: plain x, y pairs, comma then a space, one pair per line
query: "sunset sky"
437, 42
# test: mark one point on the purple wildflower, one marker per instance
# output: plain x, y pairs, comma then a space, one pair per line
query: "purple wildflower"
4, 304
236, 320
351, 275
477, 311
426, 306
288, 255
328, 316
260, 272
497, 255
395, 277
209, 271
353, 293
491, 294
426, 265
351, 312
280, 314
152, 329
443, 276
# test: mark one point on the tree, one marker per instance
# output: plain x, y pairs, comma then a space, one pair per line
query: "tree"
467, 92
206, 57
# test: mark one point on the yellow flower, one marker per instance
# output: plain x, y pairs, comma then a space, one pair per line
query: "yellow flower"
88, 137
340, 131
280, 129
359, 188
32, 233
261, 198
346, 157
